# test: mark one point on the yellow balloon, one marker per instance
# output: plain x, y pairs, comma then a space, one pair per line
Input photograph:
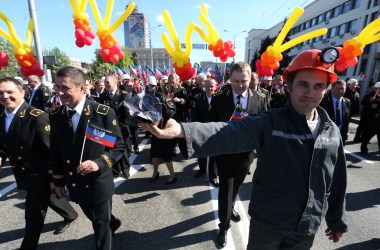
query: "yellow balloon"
168, 46
302, 38
171, 29
122, 18
297, 13
98, 18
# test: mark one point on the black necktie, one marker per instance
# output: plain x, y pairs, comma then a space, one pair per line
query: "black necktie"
71, 113
337, 113
111, 94
239, 98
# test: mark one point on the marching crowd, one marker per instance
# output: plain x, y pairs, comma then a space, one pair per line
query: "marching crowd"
306, 110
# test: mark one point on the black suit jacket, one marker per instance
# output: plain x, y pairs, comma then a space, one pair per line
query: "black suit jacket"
201, 109
66, 147
27, 146
116, 103
329, 106
222, 107
41, 98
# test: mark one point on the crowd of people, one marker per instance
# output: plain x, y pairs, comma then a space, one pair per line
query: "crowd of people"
225, 125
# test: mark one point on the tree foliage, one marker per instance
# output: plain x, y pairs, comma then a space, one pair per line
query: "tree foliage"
62, 60
264, 44
12, 69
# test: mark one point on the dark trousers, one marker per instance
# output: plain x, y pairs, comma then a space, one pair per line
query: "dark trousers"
262, 237
230, 180
202, 162
36, 206
134, 130
100, 216
122, 166
372, 130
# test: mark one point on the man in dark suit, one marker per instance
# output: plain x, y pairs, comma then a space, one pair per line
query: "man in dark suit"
233, 168
114, 97
200, 112
254, 85
85, 143
24, 136
131, 123
338, 107
179, 98
97, 90
39, 95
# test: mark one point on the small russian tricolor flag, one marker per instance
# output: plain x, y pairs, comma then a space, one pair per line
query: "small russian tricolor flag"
100, 136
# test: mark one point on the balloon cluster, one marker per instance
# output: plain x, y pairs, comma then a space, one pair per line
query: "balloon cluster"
111, 50
28, 62
270, 61
354, 47
83, 31
222, 49
4, 58
23, 52
185, 72
348, 55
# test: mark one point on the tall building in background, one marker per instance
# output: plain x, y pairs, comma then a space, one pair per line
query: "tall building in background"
136, 30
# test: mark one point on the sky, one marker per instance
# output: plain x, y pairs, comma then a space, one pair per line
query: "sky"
56, 27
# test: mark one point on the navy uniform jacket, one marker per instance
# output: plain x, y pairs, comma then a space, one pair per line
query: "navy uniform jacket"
27, 146
96, 187
329, 106
41, 98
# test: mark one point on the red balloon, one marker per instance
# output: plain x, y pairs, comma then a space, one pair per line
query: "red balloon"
267, 71
87, 40
79, 43
121, 54
25, 71
340, 67
210, 47
258, 64
352, 62
231, 53
79, 34
223, 59
114, 58
91, 34
4, 55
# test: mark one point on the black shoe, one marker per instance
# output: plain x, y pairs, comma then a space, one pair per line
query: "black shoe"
64, 226
235, 216
199, 174
126, 175
222, 237
357, 140
137, 150
214, 182
364, 151
114, 225
171, 182
154, 178
249, 173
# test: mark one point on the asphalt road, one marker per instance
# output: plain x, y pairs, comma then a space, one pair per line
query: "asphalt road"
184, 215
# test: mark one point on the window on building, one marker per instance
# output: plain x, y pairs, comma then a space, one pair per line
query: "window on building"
374, 15
336, 11
321, 18
307, 24
352, 26
369, 4
249, 54
356, 4
302, 25
376, 3
333, 31
313, 22
343, 28
325, 35
346, 7
249, 44
328, 15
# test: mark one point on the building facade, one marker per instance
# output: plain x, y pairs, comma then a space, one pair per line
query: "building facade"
136, 30
344, 20
152, 56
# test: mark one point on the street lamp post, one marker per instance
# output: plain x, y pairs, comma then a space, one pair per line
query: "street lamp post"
150, 44
235, 34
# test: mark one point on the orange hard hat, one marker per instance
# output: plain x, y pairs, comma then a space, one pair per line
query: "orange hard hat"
310, 59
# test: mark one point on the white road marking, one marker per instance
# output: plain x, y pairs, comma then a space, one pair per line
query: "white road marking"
358, 157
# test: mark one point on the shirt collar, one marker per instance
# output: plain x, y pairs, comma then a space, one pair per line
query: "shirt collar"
14, 111
244, 95
36, 86
335, 99
79, 107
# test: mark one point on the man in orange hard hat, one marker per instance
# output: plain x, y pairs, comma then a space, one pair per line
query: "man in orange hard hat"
294, 191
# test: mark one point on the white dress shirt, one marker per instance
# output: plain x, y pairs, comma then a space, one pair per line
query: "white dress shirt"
79, 109
9, 117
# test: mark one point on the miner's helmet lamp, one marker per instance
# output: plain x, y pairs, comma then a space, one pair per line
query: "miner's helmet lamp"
315, 59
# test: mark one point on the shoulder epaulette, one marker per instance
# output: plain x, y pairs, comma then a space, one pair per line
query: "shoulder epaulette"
55, 110
346, 99
36, 112
197, 96
102, 109
260, 94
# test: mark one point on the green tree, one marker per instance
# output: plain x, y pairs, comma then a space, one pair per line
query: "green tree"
62, 60
264, 44
256, 57
12, 69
